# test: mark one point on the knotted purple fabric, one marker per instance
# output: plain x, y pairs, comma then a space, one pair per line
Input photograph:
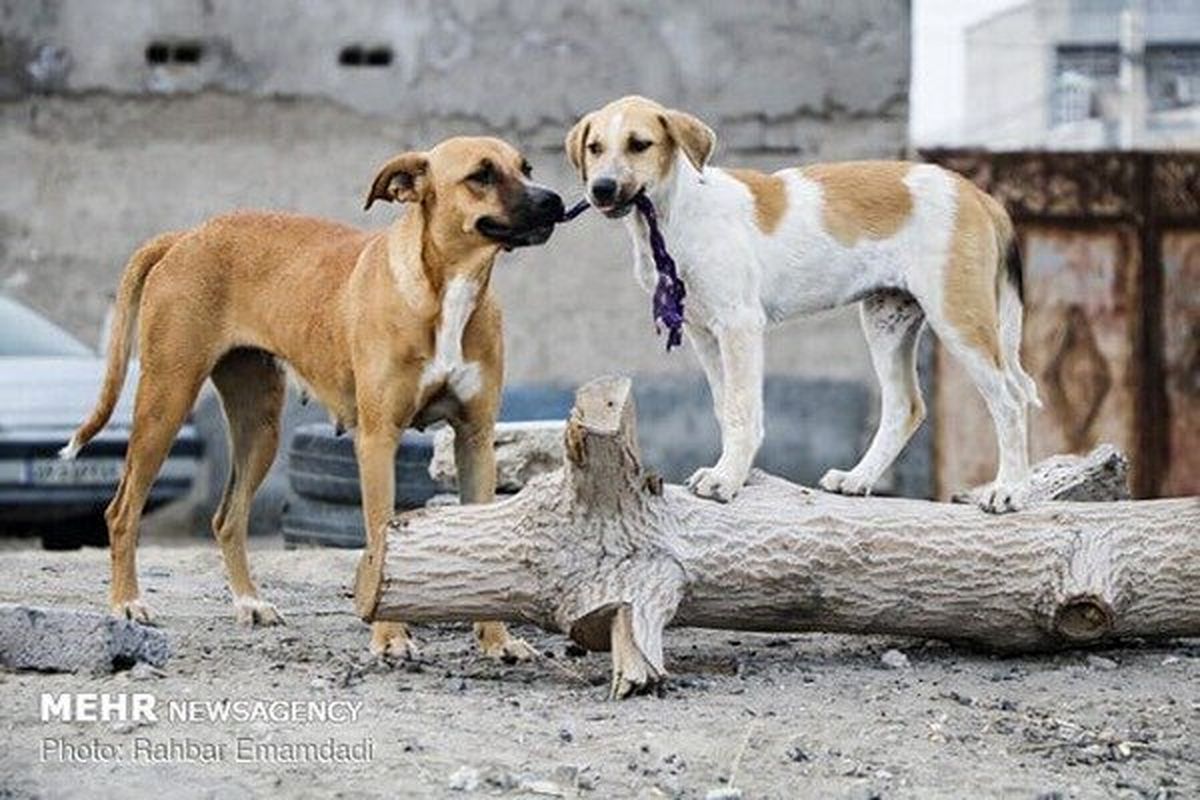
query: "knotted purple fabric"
669, 293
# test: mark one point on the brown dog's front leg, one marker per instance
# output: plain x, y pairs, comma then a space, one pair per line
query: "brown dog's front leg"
375, 445
475, 459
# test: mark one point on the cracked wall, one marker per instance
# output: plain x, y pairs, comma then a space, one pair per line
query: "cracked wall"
103, 149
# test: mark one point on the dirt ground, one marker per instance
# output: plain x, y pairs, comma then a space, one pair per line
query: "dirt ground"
767, 716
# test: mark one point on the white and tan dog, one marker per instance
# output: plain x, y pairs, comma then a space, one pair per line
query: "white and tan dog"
386, 328
909, 242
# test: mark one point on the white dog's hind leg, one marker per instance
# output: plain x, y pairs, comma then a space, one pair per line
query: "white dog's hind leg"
892, 323
741, 413
1007, 406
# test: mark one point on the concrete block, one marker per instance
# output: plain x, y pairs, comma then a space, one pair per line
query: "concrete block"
523, 450
72, 640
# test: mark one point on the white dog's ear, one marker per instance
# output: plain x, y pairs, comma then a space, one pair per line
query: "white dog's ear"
576, 139
404, 179
696, 139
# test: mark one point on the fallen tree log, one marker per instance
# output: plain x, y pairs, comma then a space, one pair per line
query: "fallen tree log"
604, 552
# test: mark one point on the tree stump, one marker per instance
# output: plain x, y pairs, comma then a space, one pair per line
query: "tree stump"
603, 551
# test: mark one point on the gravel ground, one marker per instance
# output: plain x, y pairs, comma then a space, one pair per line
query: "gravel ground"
744, 716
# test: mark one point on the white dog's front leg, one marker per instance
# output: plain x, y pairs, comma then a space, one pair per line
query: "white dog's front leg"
741, 413
708, 353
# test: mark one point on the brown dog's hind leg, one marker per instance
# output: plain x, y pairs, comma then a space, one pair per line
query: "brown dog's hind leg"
252, 389
165, 395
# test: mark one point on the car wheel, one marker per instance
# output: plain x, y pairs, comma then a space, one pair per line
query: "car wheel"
323, 466
76, 532
308, 522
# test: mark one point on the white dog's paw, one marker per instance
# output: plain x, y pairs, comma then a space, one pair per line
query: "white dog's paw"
134, 610
1002, 498
715, 483
839, 482
251, 611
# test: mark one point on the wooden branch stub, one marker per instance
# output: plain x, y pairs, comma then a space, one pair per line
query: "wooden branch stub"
604, 552
1084, 618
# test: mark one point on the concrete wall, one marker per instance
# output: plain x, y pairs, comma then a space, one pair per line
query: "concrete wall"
102, 149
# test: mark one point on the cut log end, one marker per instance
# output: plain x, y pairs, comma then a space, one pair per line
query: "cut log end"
1084, 618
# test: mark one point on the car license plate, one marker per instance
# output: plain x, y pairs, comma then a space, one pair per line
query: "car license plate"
79, 472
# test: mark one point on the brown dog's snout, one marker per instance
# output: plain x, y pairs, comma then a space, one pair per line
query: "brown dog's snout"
545, 205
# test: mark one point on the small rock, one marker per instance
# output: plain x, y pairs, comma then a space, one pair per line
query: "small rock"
500, 778
1169, 660
464, 779
543, 787
797, 754
1100, 662
141, 671
894, 659
724, 793
566, 774
319, 683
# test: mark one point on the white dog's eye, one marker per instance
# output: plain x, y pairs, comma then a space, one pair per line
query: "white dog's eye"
595, 148
639, 145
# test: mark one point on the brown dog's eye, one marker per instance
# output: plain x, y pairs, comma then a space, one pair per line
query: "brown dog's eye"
482, 176
595, 148
639, 145
526, 168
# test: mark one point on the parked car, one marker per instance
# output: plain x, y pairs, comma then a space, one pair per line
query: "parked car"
49, 382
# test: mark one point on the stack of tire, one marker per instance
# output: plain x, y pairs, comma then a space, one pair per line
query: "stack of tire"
323, 505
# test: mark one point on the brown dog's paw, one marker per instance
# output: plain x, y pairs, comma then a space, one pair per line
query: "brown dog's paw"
251, 611
391, 640
497, 643
134, 610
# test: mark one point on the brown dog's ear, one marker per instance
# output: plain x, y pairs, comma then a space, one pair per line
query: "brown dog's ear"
576, 139
401, 180
696, 139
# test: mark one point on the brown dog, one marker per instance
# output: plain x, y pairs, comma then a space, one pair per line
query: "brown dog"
387, 329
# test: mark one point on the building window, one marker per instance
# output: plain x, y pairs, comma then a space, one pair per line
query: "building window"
1173, 76
1081, 73
357, 55
182, 52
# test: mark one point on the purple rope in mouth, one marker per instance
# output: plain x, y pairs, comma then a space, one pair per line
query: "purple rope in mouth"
669, 293
575, 210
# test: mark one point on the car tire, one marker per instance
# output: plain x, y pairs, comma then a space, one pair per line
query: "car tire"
308, 522
323, 466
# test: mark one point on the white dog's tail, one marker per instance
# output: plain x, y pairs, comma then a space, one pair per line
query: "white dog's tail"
120, 339
1010, 297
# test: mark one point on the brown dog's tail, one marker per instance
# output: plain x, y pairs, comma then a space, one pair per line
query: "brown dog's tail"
120, 339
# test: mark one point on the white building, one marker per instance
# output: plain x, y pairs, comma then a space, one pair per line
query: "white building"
1055, 74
